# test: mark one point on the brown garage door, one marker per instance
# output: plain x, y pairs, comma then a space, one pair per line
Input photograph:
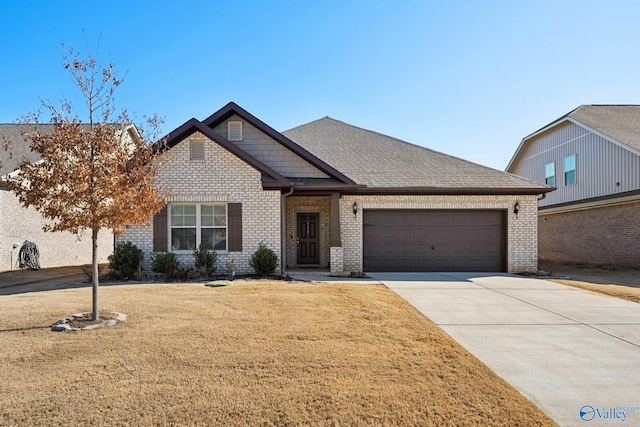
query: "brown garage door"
434, 240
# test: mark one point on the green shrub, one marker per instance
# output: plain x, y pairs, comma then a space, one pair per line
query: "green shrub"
125, 261
264, 261
165, 263
205, 260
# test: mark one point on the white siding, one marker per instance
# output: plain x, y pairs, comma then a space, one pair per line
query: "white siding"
602, 167
271, 152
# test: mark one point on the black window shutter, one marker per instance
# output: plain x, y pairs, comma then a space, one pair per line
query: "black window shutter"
160, 239
234, 232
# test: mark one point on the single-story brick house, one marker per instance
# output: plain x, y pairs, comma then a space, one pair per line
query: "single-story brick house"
329, 195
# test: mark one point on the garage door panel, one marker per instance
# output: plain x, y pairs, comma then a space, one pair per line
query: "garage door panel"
432, 240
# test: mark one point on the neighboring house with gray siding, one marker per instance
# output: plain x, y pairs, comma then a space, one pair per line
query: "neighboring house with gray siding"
592, 156
18, 224
329, 196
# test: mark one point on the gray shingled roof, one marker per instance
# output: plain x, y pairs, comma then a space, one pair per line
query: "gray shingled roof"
620, 122
20, 146
380, 161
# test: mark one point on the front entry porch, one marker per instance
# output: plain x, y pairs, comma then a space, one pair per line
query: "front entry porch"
312, 234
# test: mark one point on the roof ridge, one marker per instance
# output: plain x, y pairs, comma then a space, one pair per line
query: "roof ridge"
308, 123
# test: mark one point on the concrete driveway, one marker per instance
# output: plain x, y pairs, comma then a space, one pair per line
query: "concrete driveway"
574, 353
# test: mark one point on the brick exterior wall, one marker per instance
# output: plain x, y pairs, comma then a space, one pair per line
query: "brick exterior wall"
337, 261
220, 177
522, 237
59, 249
607, 236
295, 205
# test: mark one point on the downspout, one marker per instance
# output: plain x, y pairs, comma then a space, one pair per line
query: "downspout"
543, 196
283, 229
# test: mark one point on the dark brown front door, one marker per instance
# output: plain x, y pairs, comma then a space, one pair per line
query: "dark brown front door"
308, 238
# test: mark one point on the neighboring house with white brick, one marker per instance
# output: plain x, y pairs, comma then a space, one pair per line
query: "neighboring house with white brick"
335, 197
18, 224
592, 156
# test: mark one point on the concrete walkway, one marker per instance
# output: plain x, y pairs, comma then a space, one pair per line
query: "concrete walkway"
574, 353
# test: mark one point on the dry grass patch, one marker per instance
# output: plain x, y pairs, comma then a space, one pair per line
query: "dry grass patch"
256, 353
624, 292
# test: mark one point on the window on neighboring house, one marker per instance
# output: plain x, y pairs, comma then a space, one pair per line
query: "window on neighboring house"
570, 170
193, 225
234, 131
550, 174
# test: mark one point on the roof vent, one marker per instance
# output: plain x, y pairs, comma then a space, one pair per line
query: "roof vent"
234, 131
197, 150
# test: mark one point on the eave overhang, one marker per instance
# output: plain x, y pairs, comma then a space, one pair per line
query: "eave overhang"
609, 199
360, 190
448, 191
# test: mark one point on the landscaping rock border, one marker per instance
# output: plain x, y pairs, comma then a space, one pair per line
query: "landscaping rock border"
62, 325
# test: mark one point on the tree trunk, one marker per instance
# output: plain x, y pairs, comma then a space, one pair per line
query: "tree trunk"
94, 272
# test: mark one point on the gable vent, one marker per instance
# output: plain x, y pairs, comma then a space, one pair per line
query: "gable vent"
197, 150
234, 131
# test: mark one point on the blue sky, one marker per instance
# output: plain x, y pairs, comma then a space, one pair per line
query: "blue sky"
468, 78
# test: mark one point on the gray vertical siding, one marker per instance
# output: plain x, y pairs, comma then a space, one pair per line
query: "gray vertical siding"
600, 164
270, 152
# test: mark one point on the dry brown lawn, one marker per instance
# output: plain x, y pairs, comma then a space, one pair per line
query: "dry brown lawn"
624, 292
256, 353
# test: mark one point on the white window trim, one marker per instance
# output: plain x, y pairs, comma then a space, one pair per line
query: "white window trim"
240, 127
198, 227
554, 173
575, 168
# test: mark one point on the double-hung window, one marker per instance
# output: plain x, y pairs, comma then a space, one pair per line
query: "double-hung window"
550, 174
193, 225
570, 170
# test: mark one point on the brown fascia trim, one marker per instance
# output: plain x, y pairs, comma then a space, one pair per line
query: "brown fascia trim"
434, 191
194, 125
592, 199
275, 185
232, 108
323, 190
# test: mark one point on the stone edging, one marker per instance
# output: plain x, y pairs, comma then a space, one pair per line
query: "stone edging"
62, 325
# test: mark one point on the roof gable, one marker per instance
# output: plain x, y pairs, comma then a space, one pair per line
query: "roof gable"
271, 178
269, 151
619, 124
19, 142
232, 109
386, 164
